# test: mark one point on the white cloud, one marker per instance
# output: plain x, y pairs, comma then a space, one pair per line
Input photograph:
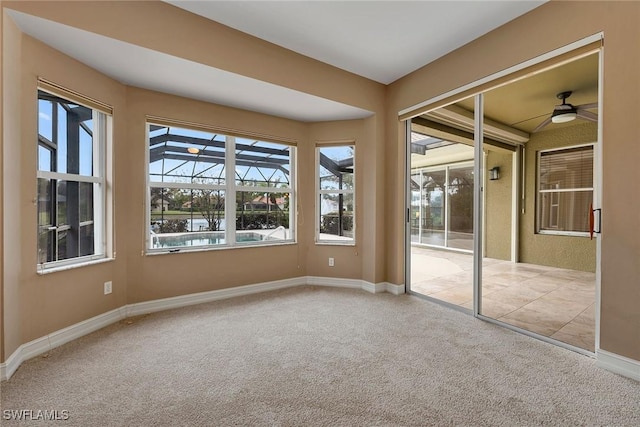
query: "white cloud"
44, 116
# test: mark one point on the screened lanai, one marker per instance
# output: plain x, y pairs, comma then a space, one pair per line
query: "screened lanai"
441, 192
207, 188
213, 189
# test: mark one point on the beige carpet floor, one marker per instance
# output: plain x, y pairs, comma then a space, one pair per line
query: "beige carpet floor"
318, 356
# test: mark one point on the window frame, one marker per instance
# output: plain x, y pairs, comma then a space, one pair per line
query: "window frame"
319, 192
230, 189
539, 192
102, 117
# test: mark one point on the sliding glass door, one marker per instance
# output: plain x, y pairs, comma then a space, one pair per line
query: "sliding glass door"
539, 263
501, 217
441, 207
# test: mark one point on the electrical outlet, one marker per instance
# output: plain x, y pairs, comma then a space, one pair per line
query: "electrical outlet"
108, 287
331, 262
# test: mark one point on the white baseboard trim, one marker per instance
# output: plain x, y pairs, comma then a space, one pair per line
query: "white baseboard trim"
44, 344
374, 288
619, 364
334, 282
202, 297
394, 289
12, 364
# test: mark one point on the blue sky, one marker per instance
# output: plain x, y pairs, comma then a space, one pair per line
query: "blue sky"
45, 128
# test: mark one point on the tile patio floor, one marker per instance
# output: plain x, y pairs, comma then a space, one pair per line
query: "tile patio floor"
553, 302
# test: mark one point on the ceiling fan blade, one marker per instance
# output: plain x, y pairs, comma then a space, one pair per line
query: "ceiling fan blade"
543, 124
588, 115
587, 106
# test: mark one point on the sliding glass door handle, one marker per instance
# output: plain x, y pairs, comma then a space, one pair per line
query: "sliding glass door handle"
592, 221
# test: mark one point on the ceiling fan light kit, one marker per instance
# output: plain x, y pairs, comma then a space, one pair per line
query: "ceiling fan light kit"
563, 117
566, 112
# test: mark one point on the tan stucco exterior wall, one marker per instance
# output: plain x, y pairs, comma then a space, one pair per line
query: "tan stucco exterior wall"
573, 252
498, 205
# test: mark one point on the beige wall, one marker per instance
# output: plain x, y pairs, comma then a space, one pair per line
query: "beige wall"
573, 252
498, 205
1, 193
348, 262
539, 31
37, 304
9, 212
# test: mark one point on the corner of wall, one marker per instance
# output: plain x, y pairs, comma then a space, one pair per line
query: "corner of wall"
10, 172
2, 356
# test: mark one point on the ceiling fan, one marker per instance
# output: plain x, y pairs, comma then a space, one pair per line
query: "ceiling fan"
566, 112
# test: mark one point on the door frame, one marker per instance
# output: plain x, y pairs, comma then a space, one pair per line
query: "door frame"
406, 115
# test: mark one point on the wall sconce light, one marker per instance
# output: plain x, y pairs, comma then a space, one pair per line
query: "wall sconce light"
494, 173
193, 150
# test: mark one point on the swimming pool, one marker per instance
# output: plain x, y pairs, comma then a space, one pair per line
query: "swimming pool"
200, 238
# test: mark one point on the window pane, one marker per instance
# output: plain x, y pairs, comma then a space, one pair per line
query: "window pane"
186, 217
63, 240
86, 152
44, 158
45, 119
46, 236
61, 203
262, 216
66, 208
60, 139
46, 240
565, 211
86, 240
44, 202
179, 155
86, 201
336, 216
336, 168
260, 163
566, 169
186, 156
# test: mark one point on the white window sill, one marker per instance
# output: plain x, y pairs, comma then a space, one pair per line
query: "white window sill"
152, 252
563, 233
335, 243
47, 270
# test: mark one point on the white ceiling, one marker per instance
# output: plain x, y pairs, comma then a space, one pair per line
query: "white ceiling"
145, 68
380, 40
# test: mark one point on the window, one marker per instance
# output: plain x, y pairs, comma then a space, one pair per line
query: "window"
565, 190
71, 181
336, 194
210, 190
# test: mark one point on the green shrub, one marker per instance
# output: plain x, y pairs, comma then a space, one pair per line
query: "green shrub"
331, 223
173, 226
261, 220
